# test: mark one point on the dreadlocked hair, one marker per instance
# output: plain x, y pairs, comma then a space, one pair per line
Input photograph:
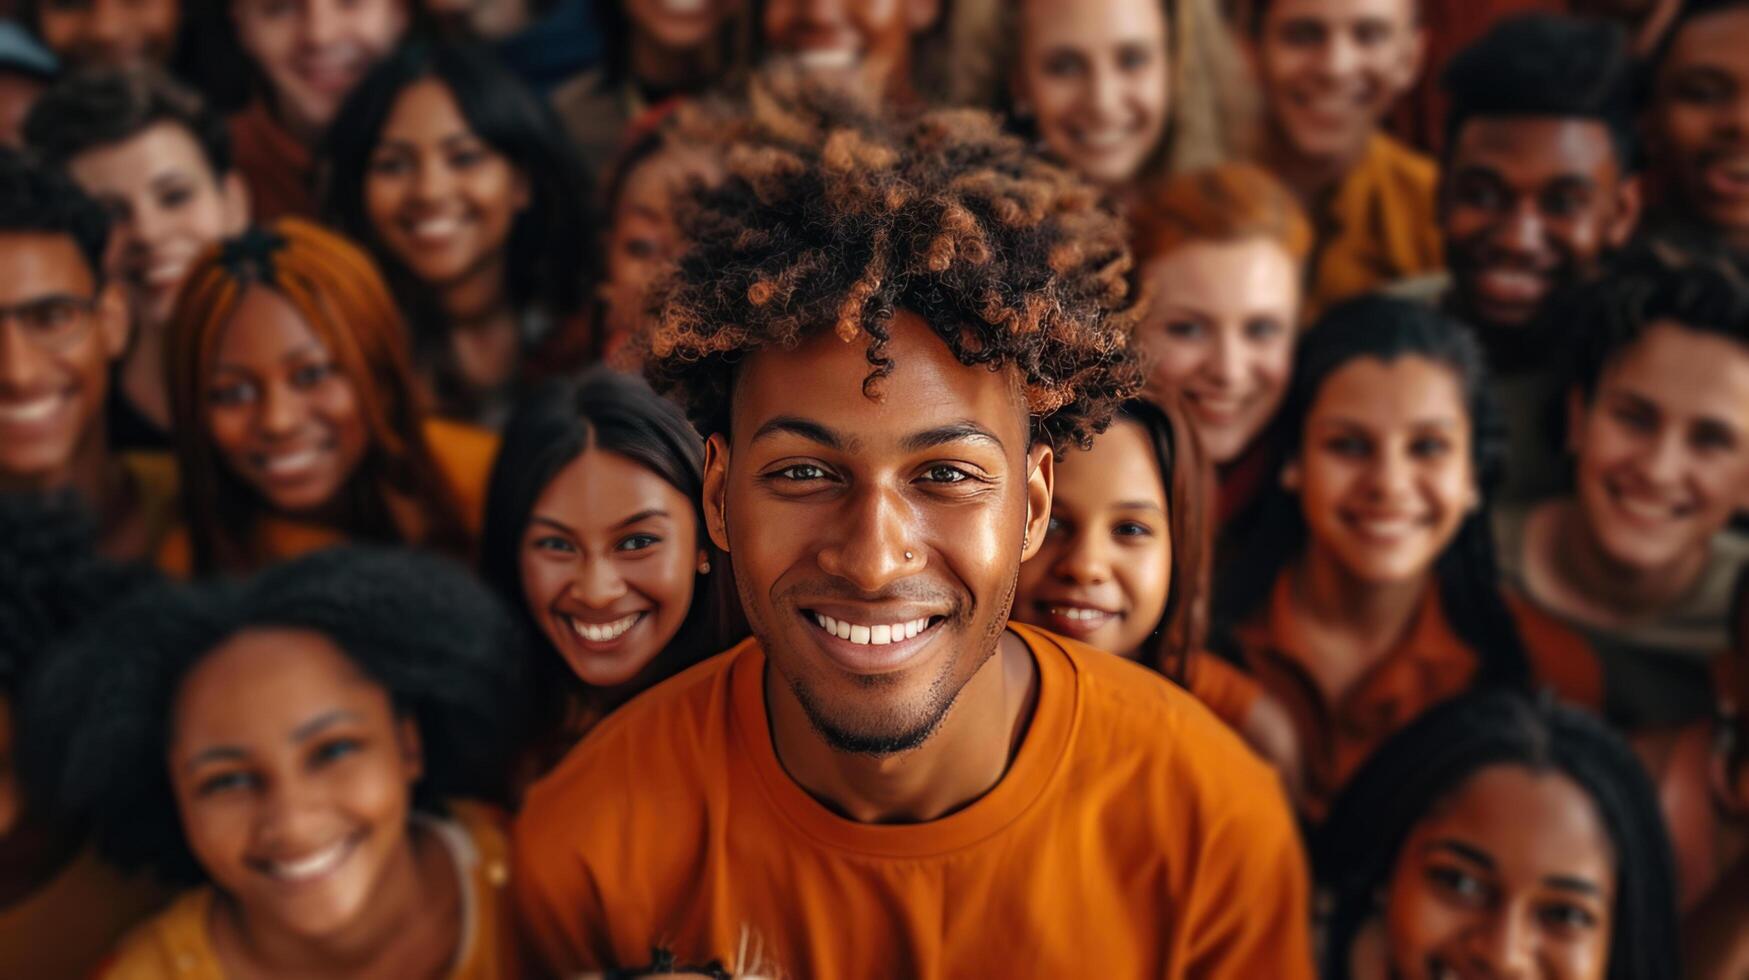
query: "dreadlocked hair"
835, 216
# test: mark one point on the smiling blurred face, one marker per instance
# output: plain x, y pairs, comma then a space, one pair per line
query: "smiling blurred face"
645, 239
294, 778
314, 52
1221, 334
280, 409
826, 490
110, 33
169, 206
1330, 69
1097, 75
1663, 447
1512, 876
1104, 571
1697, 134
1529, 205
863, 43
609, 562
441, 199
1384, 475
56, 345
679, 24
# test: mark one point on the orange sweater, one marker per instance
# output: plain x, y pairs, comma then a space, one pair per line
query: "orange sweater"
464, 453
1133, 835
1431, 665
1381, 224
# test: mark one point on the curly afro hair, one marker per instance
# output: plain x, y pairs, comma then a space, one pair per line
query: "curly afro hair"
96, 719
54, 578
834, 217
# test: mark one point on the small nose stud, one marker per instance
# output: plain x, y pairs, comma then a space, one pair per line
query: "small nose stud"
908, 556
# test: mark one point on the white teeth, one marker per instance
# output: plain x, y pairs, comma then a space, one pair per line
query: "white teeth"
1078, 613
1647, 509
1387, 527
436, 227
605, 632
826, 59
314, 866
289, 463
880, 635
1103, 140
684, 7
31, 411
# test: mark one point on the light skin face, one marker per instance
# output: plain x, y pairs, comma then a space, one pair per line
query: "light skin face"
314, 52
1528, 205
169, 206
610, 559
864, 43
58, 335
441, 199
822, 492
1104, 571
280, 409
110, 33
1697, 129
1096, 75
1330, 69
1512, 876
1221, 334
1384, 475
293, 777
1663, 448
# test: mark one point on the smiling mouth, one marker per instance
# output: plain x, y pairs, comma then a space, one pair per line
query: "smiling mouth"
1387, 529
877, 634
313, 866
31, 412
607, 632
1643, 510
291, 466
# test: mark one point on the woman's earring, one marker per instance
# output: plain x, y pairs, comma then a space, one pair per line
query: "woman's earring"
704, 567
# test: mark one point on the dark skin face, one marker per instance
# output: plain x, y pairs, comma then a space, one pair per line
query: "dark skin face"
1698, 122
1528, 205
820, 494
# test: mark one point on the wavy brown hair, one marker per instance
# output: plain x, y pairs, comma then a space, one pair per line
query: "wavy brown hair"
398, 493
835, 216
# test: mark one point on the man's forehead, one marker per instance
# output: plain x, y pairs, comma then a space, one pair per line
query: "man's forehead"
35, 264
1532, 140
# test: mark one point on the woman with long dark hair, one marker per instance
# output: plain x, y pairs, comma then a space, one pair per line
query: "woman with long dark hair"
594, 530
1370, 592
459, 181
1497, 831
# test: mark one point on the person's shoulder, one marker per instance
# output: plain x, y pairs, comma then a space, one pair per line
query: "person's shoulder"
171, 945
461, 449
1560, 656
1403, 163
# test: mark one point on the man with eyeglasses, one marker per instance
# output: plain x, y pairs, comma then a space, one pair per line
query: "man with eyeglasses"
61, 327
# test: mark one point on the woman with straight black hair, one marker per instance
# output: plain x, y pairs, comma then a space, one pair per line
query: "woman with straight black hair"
460, 182
1496, 831
595, 530
1369, 592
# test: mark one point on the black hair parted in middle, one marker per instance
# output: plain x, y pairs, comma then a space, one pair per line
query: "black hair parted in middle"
96, 719
1548, 66
1386, 329
549, 240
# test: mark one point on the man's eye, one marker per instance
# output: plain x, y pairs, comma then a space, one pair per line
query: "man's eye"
946, 474
801, 473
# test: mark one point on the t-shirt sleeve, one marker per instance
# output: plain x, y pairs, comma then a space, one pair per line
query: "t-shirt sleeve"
1249, 911
1227, 691
555, 902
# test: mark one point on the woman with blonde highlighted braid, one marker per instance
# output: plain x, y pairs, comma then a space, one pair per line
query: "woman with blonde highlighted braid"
306, 429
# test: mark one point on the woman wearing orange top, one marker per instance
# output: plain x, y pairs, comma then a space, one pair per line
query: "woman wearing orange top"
1223, 254
305, 429
1369, 593
1123, 567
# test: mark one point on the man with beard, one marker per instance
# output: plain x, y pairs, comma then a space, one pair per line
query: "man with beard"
1539, 185
888, 329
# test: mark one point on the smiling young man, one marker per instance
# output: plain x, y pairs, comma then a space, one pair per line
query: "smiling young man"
1329, 71
888, 329
1539, 186
62, 325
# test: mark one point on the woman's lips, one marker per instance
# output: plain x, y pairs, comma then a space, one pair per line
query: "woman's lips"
1075, 619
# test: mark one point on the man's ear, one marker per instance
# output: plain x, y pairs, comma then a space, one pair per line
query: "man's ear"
1041, 479
1630, 201
716, 489
115, 324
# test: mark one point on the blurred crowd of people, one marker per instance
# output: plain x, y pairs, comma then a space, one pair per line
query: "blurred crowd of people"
836, 488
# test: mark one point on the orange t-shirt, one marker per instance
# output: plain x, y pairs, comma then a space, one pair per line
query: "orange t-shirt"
1431, 665
1133, 835
463, 453
1381, 224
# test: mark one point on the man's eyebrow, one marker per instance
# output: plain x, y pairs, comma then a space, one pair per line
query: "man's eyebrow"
964, 430
797, 426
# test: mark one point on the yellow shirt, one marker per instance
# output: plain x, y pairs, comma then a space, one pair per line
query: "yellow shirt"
177, 944
1132, 836
1380, 225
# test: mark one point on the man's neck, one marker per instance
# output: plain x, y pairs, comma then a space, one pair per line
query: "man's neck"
965, 758
1313, 179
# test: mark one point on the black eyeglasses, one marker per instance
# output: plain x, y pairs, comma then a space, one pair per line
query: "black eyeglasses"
53, 323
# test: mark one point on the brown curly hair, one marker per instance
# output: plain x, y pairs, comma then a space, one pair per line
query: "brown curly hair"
834, 216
